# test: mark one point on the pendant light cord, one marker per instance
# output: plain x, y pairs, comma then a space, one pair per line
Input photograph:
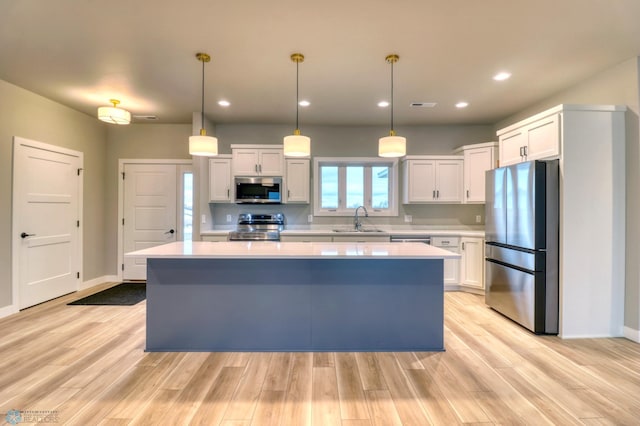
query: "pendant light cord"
297, 91
202, 106
392, 96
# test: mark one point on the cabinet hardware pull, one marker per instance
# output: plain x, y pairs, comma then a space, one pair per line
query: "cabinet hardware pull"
434, 194
438, 193
255, 167
228, 192
526, 150
288, 193
467, 193
462, 246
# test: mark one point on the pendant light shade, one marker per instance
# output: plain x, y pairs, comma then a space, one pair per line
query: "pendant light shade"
202, 144
392, 145
297, 145
113, 115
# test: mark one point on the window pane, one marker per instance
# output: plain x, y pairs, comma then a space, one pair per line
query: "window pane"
355, 186
329, 187
380, 187
187, 207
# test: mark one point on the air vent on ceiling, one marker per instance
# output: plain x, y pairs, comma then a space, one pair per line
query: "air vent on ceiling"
422, 104
145, 117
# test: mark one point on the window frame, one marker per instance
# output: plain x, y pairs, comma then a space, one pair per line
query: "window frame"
367, 163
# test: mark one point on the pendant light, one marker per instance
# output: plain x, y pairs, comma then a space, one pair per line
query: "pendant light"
392, 145
297, 145
113, 115
202, 144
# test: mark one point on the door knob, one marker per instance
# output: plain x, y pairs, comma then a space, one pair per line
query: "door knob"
170, 231
25, 235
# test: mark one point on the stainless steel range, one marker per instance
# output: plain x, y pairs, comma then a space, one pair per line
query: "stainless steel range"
258, 227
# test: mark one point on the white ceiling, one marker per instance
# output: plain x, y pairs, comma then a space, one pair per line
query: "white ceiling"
82, 53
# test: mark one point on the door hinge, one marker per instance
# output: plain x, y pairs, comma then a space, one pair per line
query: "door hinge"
79, 170
122, 267
123, 221
78, 223
122, 175
78, 275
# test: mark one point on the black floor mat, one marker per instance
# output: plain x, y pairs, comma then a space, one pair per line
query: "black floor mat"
125, 294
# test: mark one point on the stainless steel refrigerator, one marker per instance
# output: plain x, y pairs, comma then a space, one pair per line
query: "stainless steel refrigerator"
521, 250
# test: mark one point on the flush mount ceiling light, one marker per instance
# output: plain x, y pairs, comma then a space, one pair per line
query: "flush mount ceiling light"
392, 145
383, 104
501, 76
202, 144
113, 115
462, 104
297, 145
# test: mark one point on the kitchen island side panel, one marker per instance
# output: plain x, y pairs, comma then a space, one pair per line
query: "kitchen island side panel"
294, 304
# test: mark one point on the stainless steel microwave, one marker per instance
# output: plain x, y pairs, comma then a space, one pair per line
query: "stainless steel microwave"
258, 190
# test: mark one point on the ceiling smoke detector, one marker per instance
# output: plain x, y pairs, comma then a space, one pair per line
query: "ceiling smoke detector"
422, 104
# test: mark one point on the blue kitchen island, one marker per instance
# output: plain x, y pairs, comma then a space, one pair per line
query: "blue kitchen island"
289, 296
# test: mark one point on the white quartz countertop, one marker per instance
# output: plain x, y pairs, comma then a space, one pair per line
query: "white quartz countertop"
293, 250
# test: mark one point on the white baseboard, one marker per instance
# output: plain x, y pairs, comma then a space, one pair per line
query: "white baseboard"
8, 310
632, 334
96, 281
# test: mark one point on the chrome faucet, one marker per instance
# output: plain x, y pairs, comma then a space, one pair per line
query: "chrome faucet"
356, 218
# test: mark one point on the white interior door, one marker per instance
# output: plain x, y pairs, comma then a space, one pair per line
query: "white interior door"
150, 207
46, 221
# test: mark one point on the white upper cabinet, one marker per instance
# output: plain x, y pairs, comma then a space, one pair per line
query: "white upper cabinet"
257, 160
220, 190
297, 180
530, 140
478, 159
432, 179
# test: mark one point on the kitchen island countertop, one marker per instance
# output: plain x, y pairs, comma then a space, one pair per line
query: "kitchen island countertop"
293, 250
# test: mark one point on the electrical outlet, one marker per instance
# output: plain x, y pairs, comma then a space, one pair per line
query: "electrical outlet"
478, 218
408, 218
204, 219
310, 218
228, 218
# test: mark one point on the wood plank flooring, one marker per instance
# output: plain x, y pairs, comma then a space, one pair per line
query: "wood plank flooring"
86, 364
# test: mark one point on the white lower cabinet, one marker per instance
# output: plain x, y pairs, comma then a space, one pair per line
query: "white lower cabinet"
451, 266
360, 238
472, 262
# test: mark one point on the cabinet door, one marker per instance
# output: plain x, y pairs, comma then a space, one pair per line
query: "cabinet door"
544, 138
245, 162
270, 162
297, 181
451, 267
476, 162
220, 180
472, 262
420, 181
449, 181
511, 145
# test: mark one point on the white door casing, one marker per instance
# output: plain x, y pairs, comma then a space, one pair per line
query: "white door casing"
150, 212
47, 207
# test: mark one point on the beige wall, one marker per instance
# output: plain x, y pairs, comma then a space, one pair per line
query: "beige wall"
149, 141
619, 85
25, 114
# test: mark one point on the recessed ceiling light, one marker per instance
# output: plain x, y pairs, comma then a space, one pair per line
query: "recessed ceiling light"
462, 104
224, 103
304, 103
383, 104
501, 76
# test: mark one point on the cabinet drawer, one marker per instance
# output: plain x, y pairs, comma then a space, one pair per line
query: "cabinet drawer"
445, 241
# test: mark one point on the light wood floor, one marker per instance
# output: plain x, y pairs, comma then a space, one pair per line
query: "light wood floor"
87, 364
